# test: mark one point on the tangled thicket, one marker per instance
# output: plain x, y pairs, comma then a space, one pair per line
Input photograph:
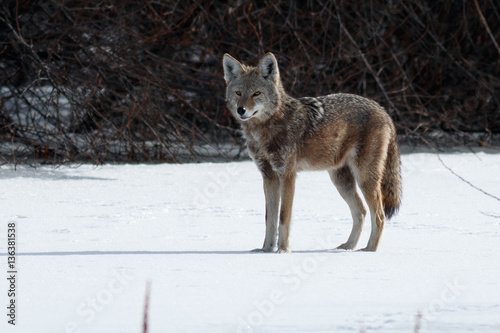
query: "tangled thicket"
142, 80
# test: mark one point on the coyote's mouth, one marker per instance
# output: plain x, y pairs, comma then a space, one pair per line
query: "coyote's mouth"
250, 116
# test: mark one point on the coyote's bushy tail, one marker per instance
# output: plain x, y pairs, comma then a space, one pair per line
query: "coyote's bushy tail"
391, 184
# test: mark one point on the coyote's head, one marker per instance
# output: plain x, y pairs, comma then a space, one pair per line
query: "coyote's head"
253, 93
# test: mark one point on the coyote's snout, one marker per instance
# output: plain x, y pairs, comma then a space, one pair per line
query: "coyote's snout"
351, 137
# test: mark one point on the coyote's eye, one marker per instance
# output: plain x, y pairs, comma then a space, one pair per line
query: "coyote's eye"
238, 93
257, 93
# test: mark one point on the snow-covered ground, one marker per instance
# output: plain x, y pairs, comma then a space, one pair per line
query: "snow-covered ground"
89, 238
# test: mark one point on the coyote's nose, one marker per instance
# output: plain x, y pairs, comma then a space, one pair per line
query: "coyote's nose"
241, 110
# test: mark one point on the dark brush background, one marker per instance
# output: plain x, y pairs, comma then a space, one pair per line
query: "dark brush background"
132, 81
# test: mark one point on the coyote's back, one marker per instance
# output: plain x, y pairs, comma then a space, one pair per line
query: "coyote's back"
350, 136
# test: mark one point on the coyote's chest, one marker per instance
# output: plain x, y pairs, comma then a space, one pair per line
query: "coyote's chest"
274, 149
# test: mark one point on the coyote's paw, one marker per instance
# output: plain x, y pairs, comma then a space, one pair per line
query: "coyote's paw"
367, 249
344, 246
284, 250
263, 250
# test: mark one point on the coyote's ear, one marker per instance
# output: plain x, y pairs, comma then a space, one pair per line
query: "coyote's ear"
268, 67
232, 68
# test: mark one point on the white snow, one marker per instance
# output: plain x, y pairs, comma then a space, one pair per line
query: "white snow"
89, 238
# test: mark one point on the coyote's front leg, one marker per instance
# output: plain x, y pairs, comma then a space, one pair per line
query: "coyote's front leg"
287, 192
272, 194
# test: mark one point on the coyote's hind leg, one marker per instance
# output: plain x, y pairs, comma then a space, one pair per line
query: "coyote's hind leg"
343, 179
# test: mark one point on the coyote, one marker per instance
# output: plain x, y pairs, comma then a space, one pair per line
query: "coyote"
351, 137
